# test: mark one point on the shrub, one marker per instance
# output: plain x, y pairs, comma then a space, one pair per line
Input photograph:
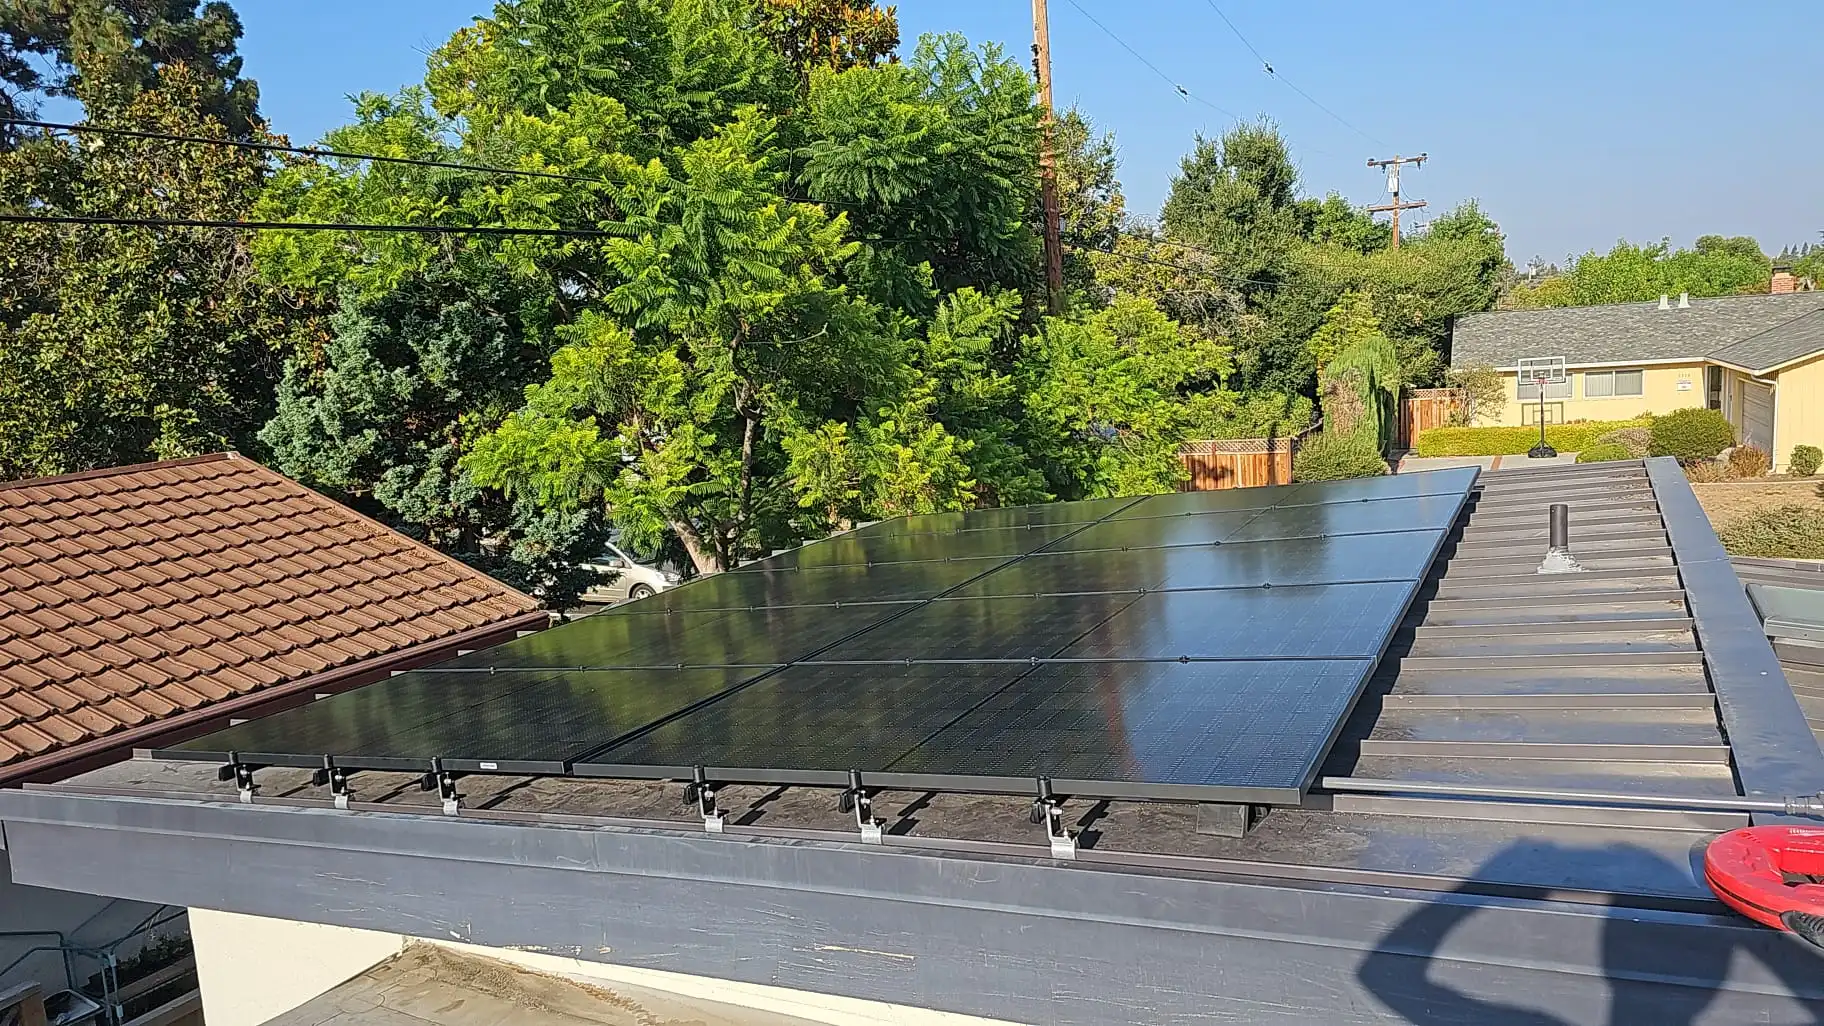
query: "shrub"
1805, 460
1514, 441
1692, 434
1602, 452
1637, 440
1333, 457
1787, 532
1707, 471
1747, 461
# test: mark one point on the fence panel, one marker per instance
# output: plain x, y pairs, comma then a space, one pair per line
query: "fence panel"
1237, 463
1423, 409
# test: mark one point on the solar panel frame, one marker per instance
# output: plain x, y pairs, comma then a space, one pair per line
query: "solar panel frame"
475, 697
894, 623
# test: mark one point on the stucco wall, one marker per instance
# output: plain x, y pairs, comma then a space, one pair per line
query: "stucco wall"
1798, 416
1660, 385
254, 968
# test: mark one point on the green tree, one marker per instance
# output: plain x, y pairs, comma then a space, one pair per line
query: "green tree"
1236, 198
104, 54
1359, 372
1092, 209
1334, 221
934, 162
725, 322
383, 414
1113, 394
122, 344
1631, 273
834, 34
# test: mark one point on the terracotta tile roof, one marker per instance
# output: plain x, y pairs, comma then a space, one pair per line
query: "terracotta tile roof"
132, 595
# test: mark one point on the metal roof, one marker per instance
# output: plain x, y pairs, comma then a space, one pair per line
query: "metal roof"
1639, 332
1545, 748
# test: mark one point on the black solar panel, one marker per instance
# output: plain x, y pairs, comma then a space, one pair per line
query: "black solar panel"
864, 548
1051, 513
813, 722
822, 586
512, 721
1238, 731
1198, 646
766, 636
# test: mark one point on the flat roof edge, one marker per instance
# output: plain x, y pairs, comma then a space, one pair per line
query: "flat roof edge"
968, 934
1772, 747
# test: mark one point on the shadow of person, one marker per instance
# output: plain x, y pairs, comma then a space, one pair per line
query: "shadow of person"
1655, 973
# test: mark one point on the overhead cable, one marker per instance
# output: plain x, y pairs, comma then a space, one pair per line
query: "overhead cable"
308, 151
1267, 66
1169, 80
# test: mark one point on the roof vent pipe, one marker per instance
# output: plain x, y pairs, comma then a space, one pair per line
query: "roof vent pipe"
1665, 301
1684, 300
1558, 558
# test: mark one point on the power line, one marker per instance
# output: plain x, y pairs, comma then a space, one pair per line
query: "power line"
407, 229
312, 151
1271, 73
1181, 90
415, 229
308, 151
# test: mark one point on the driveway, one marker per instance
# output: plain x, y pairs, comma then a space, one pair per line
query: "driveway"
1412, 464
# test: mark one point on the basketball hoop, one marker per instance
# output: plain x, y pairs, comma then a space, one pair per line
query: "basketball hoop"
1542, 371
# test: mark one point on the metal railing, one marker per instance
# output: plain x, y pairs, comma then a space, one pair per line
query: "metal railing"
106, 957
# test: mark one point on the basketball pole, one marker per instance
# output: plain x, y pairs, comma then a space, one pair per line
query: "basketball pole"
1542, 451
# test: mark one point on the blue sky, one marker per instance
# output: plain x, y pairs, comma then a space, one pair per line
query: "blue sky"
1574, 123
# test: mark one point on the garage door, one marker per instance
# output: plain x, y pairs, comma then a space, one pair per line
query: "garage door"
1757, 415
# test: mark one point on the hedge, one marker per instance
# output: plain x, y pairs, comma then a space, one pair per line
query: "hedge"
1788, 532
1692, 434
1637, 440
1603, 452
1327, 457
1515, 441
1805, 460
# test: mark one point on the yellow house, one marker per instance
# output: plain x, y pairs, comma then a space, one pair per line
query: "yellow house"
1758, 359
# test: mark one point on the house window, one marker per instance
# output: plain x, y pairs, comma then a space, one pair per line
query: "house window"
1529, 390
1613, 384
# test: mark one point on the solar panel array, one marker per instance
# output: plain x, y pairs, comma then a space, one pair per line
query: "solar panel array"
1195, 646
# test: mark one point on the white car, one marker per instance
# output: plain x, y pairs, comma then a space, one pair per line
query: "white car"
635, 581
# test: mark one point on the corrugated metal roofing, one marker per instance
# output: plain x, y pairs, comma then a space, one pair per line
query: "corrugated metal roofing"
135, 594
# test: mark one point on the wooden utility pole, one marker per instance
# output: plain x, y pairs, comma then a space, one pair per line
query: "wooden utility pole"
1048, 168
1393, 186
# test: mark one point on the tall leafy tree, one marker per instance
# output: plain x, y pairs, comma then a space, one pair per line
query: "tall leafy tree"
121, 344
833, 34
1237, 198
1631, 273
669, 404
383, 412
934, 162
106, 52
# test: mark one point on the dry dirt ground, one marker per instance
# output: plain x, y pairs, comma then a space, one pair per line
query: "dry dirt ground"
1724, 501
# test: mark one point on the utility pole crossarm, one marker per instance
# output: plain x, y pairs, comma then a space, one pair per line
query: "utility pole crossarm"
1392, 164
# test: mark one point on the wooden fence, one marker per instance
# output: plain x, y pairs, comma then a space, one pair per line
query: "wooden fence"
1237, 463
1423, 409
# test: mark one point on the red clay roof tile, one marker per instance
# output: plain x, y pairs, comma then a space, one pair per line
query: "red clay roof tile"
138, 593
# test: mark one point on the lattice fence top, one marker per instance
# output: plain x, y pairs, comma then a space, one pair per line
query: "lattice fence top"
1432, 393
1241, 446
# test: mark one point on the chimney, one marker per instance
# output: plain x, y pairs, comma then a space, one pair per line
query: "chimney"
1784, 281
1665, 301
1684, 300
